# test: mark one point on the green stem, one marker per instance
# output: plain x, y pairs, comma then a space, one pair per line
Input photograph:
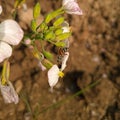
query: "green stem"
70, 97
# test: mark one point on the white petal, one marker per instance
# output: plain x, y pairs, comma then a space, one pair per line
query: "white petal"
53, 75
0, 9
5, 51
9, 94
64, 2
67, 43
64, 60
66, 29
11, 32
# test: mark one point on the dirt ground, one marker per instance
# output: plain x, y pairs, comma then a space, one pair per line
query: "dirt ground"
94, 56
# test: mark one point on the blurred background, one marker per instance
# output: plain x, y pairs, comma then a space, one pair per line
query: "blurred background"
94, 56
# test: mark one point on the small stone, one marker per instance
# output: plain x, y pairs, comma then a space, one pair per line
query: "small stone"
16, 72
21, 106
18, 86
27, 116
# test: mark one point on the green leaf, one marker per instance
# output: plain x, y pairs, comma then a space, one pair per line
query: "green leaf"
36, 11
60, 44
48, 55
33, 25
58, 22
58, 31
63, 36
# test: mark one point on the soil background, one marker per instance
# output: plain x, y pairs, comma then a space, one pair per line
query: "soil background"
94, 56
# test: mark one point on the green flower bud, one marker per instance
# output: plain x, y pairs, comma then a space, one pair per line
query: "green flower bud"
47, 63
58, 31
43, 26
50, 35
58, 22
36, 11
53, 14
48, 55
33, 25
60, 44
63, 36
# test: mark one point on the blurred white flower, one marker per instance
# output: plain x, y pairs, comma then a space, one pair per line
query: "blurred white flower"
5, 51
8, 92
54, 72
10, 34
0, 9
72, 7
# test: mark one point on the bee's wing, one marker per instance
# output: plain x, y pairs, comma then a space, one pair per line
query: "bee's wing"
64, 60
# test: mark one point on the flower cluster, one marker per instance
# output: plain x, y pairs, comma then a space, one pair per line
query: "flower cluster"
53, 30
70, 7
10, 34
57, 35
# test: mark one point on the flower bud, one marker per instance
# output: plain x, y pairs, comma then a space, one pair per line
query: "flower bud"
5, 51
10, 32
27, 41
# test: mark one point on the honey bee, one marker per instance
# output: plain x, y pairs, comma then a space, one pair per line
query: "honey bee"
61, 53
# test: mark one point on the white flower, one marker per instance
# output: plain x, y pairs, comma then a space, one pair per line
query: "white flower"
10, 34
5, 51
71, 7
54, 72
0, 9
8, 92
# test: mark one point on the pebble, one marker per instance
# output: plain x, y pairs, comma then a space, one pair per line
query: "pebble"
21, 106
18, 86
